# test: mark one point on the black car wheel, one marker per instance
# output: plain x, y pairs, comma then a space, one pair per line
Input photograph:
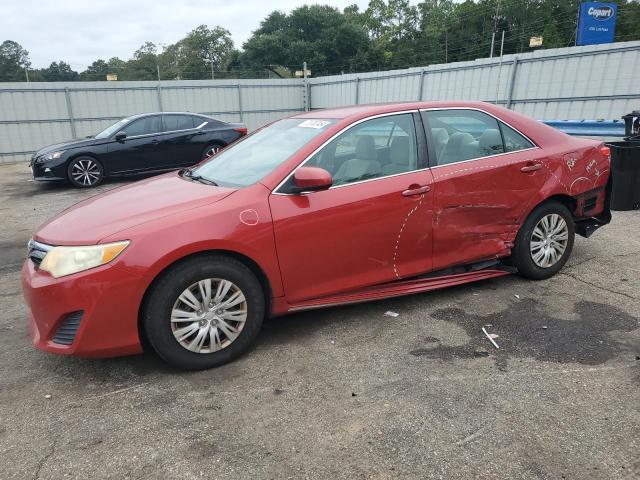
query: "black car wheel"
211, 150
204, 312
84, 172
544, 243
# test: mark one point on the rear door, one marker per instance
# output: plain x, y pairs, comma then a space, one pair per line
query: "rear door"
485, 176
182, 140
372, 226
141, 150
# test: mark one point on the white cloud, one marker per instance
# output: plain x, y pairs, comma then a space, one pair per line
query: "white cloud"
81, 31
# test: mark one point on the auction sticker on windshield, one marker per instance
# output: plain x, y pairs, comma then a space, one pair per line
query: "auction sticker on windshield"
314, 124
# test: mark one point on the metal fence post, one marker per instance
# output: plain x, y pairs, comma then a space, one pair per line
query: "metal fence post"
422, 74
512, 82
159, 89
305, 86
357, 90
72, 120
240, 102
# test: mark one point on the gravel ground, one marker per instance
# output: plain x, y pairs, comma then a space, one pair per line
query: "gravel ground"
346, 392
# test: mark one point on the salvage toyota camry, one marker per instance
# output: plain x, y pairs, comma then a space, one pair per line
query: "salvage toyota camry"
324, 208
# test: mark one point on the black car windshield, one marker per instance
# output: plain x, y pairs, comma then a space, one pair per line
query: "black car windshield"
249, 160
107, 132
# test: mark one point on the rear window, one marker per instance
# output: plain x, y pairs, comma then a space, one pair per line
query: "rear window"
177, 122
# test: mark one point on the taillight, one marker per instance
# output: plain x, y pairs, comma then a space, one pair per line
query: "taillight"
241, 130
605, 152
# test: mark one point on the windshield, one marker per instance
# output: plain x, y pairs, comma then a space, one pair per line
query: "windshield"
246, 162
107, 132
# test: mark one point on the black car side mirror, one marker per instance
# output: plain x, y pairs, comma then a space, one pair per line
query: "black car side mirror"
120, 136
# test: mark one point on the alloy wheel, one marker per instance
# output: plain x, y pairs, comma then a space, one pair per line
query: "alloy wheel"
209, 315
549, 240
211, 152
86, 172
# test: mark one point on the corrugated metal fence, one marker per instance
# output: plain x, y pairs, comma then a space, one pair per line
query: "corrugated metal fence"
600, 81
33, 115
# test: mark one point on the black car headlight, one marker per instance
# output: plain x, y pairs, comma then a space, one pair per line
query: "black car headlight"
52, 156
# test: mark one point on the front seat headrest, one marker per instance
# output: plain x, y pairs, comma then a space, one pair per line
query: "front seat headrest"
366, 148
490, 142
399, 151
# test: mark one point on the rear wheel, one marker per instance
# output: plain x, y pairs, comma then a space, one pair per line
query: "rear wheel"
204, 312
84, 172
544, 243
211, 150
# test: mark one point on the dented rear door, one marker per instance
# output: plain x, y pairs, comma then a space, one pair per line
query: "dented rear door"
479, 203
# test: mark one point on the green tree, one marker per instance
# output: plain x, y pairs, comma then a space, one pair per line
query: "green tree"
99, 69
56, 72
328, 40
628, 23
393, 26
144, 64
13, 61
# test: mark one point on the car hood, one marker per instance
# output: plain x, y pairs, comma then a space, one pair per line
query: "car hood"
95, 218
83, 142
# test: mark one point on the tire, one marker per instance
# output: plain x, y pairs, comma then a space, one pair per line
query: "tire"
536, 238
191, 336
85, 172
211, 150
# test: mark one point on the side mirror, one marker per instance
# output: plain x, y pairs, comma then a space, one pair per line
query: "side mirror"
120, 136
311, 179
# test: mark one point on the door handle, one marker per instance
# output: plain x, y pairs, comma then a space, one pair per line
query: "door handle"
531, 168
154, 141
416, 191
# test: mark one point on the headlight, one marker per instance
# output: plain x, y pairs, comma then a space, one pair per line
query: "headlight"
54, 155
61, 261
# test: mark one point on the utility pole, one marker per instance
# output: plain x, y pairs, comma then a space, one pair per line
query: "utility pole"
495, 27
212, 77
158, 67
446, 46
26, 72
500, 68
306, 86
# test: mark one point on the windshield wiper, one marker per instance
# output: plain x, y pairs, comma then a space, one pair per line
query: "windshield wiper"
188, 173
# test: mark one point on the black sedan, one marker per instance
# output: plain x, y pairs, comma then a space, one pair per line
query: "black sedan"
138, 144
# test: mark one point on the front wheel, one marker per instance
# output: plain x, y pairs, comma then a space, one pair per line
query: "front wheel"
84, 172
544, 243
204, 312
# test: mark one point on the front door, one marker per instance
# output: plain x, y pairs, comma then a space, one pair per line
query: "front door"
484, 178
141, 150
372, 226
182, 142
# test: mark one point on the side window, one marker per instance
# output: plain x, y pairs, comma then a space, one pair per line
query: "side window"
178, 122
513, 141
143, 126
375, 148
460, 135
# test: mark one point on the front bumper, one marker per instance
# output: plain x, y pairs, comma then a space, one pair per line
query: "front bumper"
47, 173
107, 299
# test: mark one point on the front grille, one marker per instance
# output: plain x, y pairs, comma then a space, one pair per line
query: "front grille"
36, 251
67, 330
37, 170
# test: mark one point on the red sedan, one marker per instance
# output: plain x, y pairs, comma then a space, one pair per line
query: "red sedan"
323, 208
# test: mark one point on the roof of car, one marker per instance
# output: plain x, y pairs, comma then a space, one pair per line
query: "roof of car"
537, 131
139, 115
380, 108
